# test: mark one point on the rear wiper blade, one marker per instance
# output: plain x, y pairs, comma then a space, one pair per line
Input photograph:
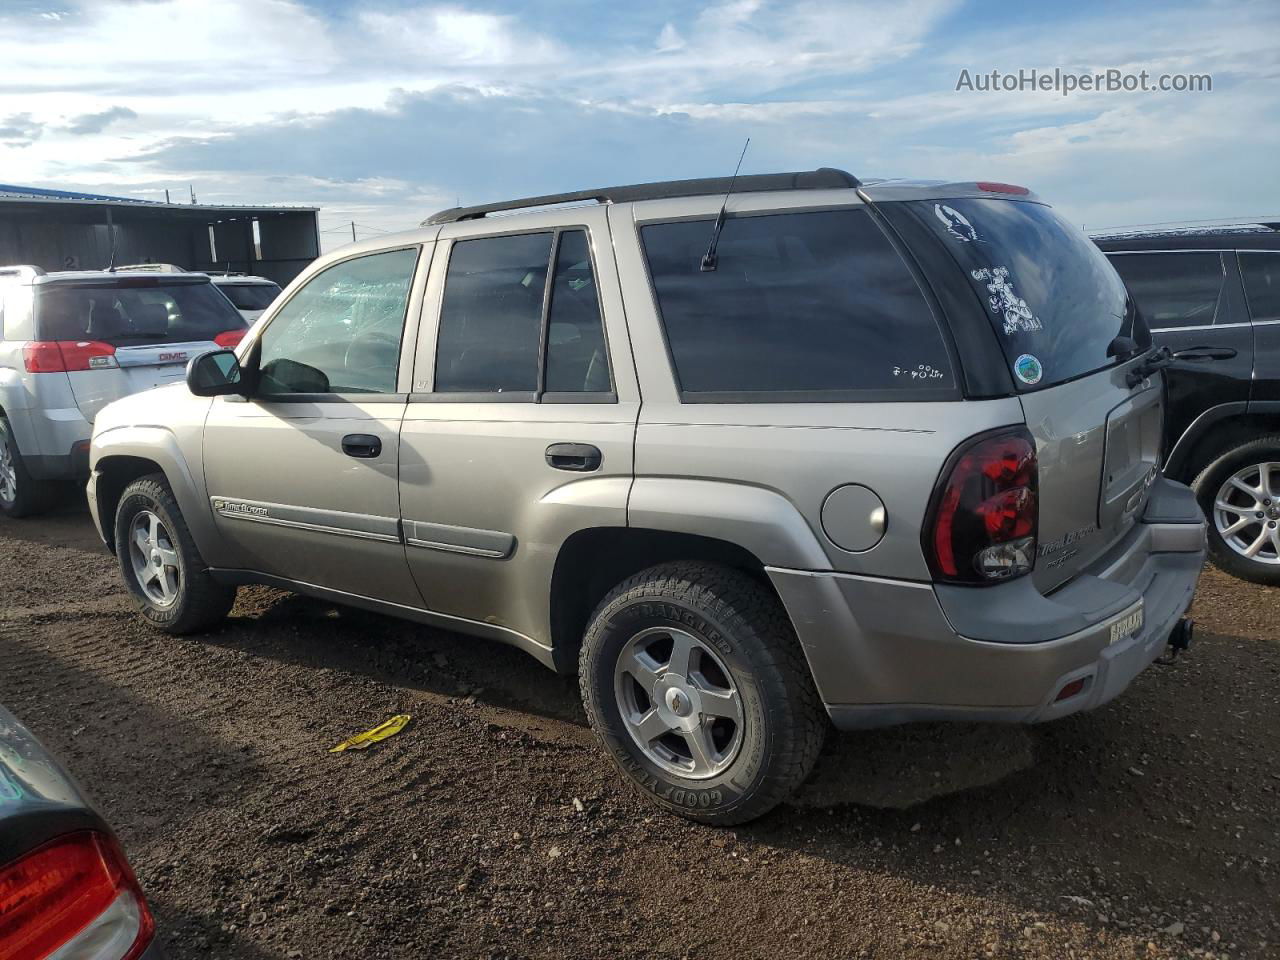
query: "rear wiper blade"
1154, 361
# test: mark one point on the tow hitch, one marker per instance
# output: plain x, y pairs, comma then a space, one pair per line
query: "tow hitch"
1180, 638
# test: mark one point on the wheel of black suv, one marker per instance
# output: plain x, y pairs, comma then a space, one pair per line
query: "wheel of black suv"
160, 564
696, 685
1240, 495
20, 494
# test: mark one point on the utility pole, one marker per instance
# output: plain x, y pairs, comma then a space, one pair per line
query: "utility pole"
166, 194
353, 231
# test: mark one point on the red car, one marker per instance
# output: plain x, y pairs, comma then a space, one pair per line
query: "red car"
67, 891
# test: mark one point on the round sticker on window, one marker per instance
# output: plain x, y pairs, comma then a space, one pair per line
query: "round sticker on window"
1027, 369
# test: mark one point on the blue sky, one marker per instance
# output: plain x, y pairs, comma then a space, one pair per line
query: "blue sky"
382, 112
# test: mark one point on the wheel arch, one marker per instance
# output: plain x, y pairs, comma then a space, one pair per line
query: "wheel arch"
593, 561
111, 475
1216, 431
122, 455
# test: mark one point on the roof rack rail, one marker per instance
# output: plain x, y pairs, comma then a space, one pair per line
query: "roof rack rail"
1173, 226
824, 178
23, 271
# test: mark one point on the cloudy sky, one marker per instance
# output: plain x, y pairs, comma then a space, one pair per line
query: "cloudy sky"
382, 112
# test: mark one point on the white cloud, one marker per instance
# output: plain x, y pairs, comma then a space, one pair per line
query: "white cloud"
442, 37
262, 99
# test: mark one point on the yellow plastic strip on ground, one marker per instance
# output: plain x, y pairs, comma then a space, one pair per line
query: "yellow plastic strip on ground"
383, 730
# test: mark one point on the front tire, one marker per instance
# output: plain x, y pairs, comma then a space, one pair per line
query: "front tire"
161, 567
696, 685
1240, 495
20, 494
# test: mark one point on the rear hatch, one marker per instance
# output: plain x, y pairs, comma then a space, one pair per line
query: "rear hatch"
1057, 307
133, 332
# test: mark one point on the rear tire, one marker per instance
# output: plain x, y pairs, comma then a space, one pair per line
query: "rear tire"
21, 495
696, 685
161, 567
1243, 520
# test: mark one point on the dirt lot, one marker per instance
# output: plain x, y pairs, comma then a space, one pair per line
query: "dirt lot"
1148, 829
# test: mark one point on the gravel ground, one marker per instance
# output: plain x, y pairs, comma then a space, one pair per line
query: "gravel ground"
493, 827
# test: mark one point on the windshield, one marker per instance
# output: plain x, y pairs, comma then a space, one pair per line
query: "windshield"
250, 296
134, 311
1054, 300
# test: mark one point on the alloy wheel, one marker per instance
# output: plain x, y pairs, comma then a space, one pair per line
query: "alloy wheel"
1246, 513
679, 702
154, 559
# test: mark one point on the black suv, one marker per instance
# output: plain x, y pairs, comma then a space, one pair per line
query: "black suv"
1212, 294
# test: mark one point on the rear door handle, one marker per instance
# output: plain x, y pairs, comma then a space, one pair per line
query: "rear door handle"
579, 457
1205, 353
363, 446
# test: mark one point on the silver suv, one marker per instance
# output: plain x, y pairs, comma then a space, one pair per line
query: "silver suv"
72, 342
743, 461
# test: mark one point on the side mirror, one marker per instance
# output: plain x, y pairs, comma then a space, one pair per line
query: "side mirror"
215, 374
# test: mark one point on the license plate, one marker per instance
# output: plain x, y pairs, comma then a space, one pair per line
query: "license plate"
1127, 625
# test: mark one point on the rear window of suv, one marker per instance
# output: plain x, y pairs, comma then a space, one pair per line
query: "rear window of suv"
1054, 300
134, 310
802, 306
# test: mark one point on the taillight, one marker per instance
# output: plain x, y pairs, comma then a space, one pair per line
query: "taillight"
229, 338
66, 356
982, 521
75, 896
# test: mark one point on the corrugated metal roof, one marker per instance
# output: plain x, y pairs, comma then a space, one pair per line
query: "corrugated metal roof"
8, 189
15, 193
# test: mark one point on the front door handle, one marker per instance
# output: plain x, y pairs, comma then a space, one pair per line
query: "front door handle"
579, 457
1205, 353
363, 446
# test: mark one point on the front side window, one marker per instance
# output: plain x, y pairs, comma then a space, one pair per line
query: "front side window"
1174, 289
133, 311
511, 301
340, 333
803, 306
1261, 273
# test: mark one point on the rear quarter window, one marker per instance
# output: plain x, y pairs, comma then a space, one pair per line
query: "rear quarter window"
1261, 272
803, 306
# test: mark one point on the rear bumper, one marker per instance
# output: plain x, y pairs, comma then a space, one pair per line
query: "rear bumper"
886, 652
73, 465
54, 442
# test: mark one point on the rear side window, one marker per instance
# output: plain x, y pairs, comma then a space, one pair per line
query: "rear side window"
1174, 289
509, 302
803, 306
1054, 301
1262, 284
133, 310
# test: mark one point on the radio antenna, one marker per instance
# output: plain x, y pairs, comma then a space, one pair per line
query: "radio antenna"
709, 258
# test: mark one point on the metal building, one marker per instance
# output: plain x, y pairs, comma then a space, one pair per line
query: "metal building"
64, 230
